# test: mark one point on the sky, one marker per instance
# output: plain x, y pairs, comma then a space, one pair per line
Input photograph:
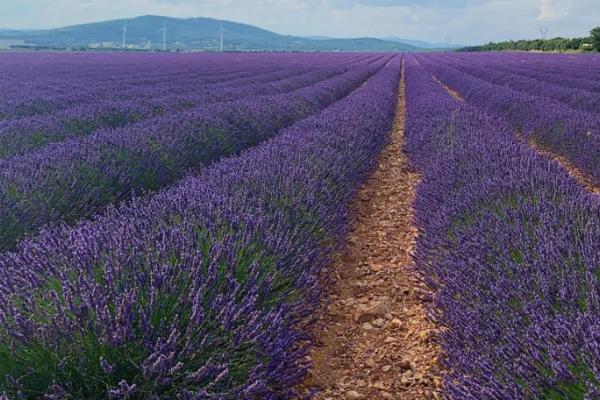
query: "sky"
458, 21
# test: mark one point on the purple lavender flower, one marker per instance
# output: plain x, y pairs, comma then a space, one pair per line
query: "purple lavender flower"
509, 241
196, 290
122, 391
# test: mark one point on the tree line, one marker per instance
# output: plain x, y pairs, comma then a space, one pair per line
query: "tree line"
590, 43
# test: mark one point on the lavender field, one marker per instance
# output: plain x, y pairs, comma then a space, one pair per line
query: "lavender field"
511, 241
166, 219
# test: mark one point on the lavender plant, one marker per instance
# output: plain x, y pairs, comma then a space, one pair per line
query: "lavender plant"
80, 176
43, 83
20, 136
198, 291
510, 243
493, 71
571, 133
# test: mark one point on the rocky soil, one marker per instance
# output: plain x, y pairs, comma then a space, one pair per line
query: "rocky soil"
375, 339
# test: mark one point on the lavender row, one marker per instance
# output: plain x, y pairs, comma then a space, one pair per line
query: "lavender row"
551, 70
198, 291
41, 84
574, 98
511, 245
25, 97
27, 134
77, 178
573, 134
49, 73
581, 67
46, 74
64, 97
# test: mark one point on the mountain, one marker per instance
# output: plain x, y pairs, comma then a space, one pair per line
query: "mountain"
190, 34
319, 37
421, 44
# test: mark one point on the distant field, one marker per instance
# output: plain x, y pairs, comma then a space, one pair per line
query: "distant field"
165, 219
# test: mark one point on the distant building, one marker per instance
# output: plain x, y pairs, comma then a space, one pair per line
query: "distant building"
587, 46
103, 45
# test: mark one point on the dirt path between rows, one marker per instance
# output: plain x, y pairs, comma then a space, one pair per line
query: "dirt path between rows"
375, 340
448, 89
582, 178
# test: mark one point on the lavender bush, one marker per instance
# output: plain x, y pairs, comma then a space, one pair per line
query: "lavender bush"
491, 69
73, 179
567, 71
197, 291
574, 134
20, 136
511, 244
43, 83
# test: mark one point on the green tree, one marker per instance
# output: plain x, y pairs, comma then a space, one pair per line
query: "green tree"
595, 34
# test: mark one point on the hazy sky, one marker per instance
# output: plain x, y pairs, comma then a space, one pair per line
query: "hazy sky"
465, 21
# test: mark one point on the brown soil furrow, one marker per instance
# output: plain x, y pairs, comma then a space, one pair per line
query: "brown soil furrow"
374, 339
448, 89
581, 177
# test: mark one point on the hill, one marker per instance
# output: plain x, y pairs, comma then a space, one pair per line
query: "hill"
145, 32
423, 44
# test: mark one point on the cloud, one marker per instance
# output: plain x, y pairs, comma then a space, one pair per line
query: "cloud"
551, 10
397, 3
